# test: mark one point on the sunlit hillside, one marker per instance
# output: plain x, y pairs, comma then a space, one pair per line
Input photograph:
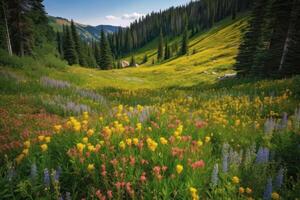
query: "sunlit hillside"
215, 52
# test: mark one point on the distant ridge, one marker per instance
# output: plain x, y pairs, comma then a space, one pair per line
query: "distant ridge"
86, 32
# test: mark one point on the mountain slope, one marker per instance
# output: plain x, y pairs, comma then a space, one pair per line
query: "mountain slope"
214, 57
86, 32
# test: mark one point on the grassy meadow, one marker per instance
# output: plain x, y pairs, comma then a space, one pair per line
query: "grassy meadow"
168, 131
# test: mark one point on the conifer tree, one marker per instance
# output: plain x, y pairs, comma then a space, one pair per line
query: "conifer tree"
184, 42
77, 44
167, 51
5, 41
252, 39
97, 53
290, 60
106, 59
160, 46
69, 47
59, 41
281, 10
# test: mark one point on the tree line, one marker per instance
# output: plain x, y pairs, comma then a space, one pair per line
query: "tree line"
195, 16
271, 43
76, 51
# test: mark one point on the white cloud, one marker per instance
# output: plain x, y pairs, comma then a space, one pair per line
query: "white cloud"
111, 17
132, 16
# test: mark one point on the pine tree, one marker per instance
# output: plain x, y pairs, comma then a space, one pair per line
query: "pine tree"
21, 27
69, 47
167, 51
77, 44
281, 10
59, 41
234, 8
290, 61
252, 40
184, 43
160, 46
5, 41
106, 59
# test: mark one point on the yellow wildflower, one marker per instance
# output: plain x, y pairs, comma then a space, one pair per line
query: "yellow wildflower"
57, 128
85, 140
122, 145
163, 141
25, 151
199, 143
27, 144
90, 132
19, 158
135, 141
179, 169
275, 196
48, 139
91, 148
139, 127
80, 147
152, 145
128, 142
235, 180
44, 147
207, 139
41, 138
91, 167
86, 115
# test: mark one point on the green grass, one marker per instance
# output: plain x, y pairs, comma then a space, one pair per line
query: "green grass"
215, 53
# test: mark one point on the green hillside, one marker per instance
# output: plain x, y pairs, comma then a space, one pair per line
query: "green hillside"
214, 57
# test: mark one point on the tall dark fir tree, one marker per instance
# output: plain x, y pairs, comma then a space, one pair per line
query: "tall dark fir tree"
70, 53
184, 42
78, 45
160, 49
106, 59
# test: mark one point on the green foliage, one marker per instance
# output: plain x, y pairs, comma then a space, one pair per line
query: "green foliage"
184, 42
106, 59
268, 47
70, 53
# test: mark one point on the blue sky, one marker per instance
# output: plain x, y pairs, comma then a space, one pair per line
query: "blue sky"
114, 12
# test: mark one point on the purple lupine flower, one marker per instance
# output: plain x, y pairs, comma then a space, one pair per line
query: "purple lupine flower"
225, 157
46, 177
52, 83
284, 121
215, 175
57, 174
270, 125
268, 190
262, 155
279, 178
33, 172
